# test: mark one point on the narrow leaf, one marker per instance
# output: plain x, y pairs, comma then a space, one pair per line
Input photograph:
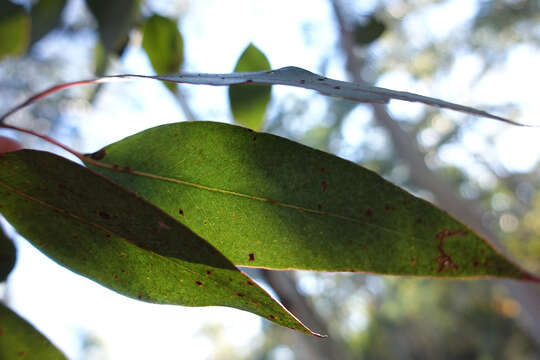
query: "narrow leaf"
8, 255
290, 76
265, 201
95, 228
20, 340
45, 15
249, 102
14, 29
163, 45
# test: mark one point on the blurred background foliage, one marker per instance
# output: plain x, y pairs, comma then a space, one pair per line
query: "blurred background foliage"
368, 317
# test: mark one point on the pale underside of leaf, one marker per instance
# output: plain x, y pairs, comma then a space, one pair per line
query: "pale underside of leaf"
289, 76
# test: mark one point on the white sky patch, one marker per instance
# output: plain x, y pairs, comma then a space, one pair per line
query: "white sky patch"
403, 81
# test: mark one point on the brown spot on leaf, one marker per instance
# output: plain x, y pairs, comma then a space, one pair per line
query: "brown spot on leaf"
123, 255
123, 270
251, 257
323, 186
240, 294
475, 263
199, 283
250, 283
272, 317
368, 212
321, 79
323, 170
413, 262
104, 215
181, 212
21, 353
364, 246
208, 272
319, 206
254, 138
98, 155
387, 207
115, 277
444, 260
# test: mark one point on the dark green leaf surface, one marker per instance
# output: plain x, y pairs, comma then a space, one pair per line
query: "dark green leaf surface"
8, 255
249, 102
45, 15
14, 29
115, 19
97, 229
265, 201
20, 340
163, 45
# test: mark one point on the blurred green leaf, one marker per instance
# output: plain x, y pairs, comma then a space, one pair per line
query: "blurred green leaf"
45, 16
368, 32
265, 201
249, 102
163, 45
20, 340
8, 254
14, 29
115, 19
97, 229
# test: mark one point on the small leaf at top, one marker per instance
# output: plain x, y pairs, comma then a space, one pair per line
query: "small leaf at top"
8, 254
20, 340
14, 29
45, 15
115, 19
163, 45
265, 201
249, 102
97, 229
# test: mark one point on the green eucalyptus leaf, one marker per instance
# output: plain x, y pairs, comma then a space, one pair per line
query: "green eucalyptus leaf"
97, 229
265, 201
20, 340
115, 19
249, 102
163, 45
14, 29
45, 15
8, 255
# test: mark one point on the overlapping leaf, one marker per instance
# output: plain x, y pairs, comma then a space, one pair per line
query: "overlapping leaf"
265, 201
20, 340
97, 229
248, 102
8, 254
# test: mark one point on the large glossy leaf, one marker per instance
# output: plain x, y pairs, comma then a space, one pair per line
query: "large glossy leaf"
8, 254
45, 15
95, 228
249, 102
163, 45
14, 29
265, 201
20, 340
115, 19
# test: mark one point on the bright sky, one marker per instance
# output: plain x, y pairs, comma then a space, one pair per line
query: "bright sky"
64, 305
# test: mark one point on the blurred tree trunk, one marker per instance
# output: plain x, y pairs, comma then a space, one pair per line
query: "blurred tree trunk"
467, 211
